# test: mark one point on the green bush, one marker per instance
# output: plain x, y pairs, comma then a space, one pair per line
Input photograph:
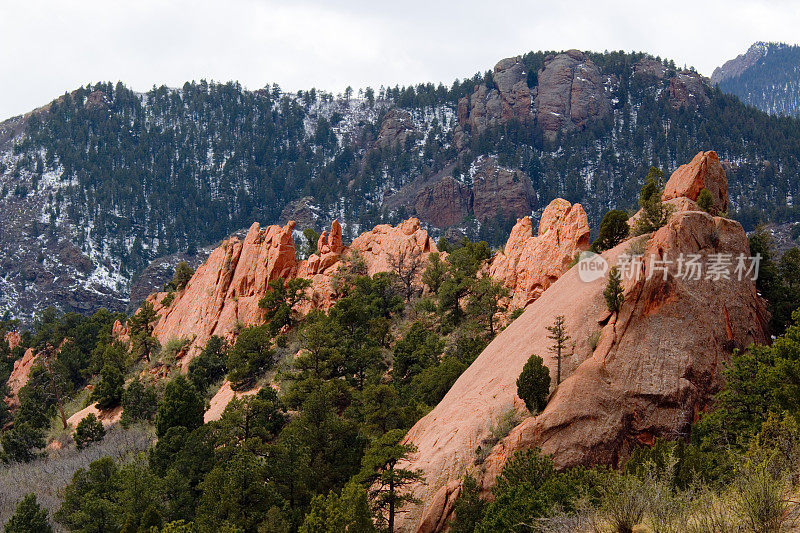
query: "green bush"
533, 384
250, 357
139, 402
108, 392
29, 517
89, 430
211, 365
705, 200
613, 230
181, 405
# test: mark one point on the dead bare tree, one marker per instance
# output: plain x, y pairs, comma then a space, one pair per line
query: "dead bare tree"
406, 267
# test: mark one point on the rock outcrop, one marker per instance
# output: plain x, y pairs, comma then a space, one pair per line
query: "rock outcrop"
510, 100
19, 376
570, 94
736, 66
530, 263
687, 89
396, 128
222, 398
650, 67
108, 417
446, 203
498, 189
628, 379
704, 171
224, 292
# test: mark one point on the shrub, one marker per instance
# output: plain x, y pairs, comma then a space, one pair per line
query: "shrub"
250, 357
139, 402
760, 495
613, 230
705, 201
167, 300
173, 347
210, 365
654, 213
108, 392
29, 517
182, 405
533, 384
613, 293
89, 430
183, 273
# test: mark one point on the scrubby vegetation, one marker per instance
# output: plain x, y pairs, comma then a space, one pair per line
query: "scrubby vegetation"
323, 450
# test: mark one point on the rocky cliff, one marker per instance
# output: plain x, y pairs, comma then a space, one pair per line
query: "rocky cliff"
224, 292
530, 263
629, 379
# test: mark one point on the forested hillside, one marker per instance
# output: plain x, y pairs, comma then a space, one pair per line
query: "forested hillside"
770, 80
103, 180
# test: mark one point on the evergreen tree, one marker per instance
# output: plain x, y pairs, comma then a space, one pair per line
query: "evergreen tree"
385, 480
533, 384
613, 230
654, 213
139, 402
181, 405
280, 300
558, 334
705, 200
109, 390
250, 357
28, 517
89, 430
183, 273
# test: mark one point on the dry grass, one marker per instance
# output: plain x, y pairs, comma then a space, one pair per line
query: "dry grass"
48, 475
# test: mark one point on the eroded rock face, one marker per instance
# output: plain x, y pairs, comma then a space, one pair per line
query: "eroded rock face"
650, 67
396, 128
19, 376
444, 204
570, 94
704, 171
13, 339
496, 188
224, 292
530, 263
628, 379
687, 89
511, 100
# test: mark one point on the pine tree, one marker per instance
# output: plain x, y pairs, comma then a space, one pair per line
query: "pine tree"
29, 517
533, 384
384, 480
89, 430
558, 334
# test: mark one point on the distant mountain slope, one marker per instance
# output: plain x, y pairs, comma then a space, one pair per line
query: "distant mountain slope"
103, 180
767, 76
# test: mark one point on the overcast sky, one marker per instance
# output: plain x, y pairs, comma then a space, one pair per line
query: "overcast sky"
49, 47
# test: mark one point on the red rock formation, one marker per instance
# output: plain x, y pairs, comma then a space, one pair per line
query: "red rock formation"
444, 204
224, 292
704, 171
19, 376
108, 417
13, 339
222, 398
497, 188
530, 264
647, 375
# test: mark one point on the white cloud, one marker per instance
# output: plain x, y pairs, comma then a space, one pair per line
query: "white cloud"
51, 46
